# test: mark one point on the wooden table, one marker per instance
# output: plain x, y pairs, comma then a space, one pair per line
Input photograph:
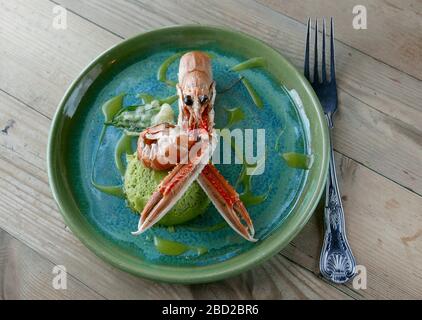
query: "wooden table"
378, 142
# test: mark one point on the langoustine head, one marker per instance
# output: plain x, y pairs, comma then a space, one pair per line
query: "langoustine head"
196, 90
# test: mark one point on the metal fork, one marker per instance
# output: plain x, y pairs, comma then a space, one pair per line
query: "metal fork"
337, 263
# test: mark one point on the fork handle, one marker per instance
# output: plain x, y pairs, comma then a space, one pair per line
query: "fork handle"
337, 263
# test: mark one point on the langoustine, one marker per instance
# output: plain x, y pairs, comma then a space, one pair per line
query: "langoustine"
186, 148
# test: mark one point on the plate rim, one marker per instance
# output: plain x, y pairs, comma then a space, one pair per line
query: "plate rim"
186, 274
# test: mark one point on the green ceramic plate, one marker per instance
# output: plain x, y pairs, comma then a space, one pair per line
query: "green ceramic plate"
280, 200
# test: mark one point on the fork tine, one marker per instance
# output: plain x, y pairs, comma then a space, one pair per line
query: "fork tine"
323, 67
316, 76
332, 62
306, 67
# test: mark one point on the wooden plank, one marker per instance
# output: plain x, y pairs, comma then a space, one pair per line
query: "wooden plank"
24, 274
384, 228
34, 66
28, 212
383, 144
384, 107
278, 278
393, 34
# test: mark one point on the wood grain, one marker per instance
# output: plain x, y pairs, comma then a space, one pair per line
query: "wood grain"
24, 274
39, 62
384, 226
393, 34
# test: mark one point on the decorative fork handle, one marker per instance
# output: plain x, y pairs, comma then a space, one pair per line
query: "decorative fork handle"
337, 263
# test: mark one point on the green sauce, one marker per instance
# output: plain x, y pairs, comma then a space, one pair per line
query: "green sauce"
123, 147
234, 115
257, 62
146, 98
249, 199
200, 250
162, 71
170, 248
116, 191
247, 196
173, 248
277, 141
111, 107
255, 97
298, 160
170, 100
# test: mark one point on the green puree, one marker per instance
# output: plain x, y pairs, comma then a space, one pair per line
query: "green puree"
140, 182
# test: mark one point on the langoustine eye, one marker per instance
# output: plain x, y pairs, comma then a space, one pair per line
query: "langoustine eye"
203, 99
188, 100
